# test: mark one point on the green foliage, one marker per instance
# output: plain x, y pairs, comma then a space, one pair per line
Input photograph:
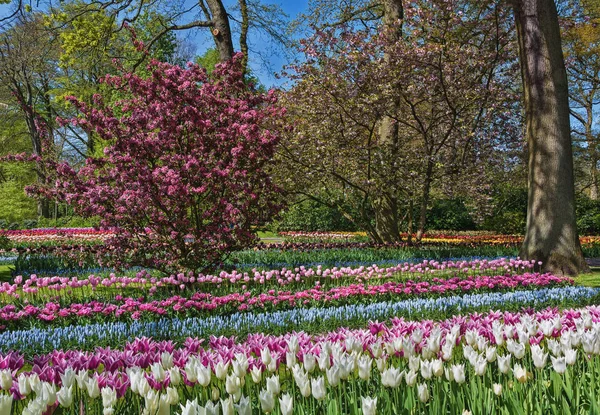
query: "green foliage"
450, 214
208, 60
588, 215
509, 212
310, 216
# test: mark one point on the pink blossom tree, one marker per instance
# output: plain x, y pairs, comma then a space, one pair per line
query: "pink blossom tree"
183, 177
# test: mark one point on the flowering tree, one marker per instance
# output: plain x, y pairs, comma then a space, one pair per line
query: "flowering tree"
183, 176
384, 118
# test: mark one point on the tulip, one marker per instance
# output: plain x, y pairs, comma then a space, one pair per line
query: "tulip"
310, 362
265, 356
273, 385
570, 356
221, 370
64, 396
369, 405
109, 397
318, 388
538, 356
364, 367
232, 384
227, 406
437, 366
411, 378
174, 376
24, 385
497, 388
191, 408
267, 401
244, 407
458, 373
286, 404
391, 377
6, 404
423, 392
504, 363
171, 397
559, 364
92, 388
520, 373
256, 373
212, 408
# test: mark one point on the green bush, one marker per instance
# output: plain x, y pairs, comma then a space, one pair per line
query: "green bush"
588, 215
509, 211
450, 214
310, 216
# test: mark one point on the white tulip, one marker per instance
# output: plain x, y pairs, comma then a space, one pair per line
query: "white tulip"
240, 365
244, 407
504, 363
6, 404
570, 356
391, 377
538, 356
286, 404
158, 371
293, 344
221, 370
318, 388
369, 405
520, 373
256, 373
310, 362
411, 378
64, 396
333, 375
497, 389
365, 364
559, 364
227, 406
174, 376
191, 408
265, 356
437, 366
109, 397
92, 388
458, 373
166, 359
267, 401
273, 385
423, 392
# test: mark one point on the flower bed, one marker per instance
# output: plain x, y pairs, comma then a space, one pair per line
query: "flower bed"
479, 362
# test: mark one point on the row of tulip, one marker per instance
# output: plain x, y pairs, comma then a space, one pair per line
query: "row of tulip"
43, 288
498, 362
198, 304
86, 336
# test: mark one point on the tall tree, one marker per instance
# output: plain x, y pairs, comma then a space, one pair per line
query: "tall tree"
551, 235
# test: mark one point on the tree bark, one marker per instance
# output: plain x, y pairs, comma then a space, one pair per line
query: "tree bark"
551, 235
425, 200
221, 30
386, 206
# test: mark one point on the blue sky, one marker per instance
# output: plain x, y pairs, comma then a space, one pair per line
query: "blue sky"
275, 58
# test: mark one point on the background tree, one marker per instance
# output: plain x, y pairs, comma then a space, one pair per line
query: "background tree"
551, 235
352, 80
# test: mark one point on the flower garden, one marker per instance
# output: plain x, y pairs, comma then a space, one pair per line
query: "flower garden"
348, 332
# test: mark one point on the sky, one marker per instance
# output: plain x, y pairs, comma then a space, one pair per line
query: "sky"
274, 58
200, 38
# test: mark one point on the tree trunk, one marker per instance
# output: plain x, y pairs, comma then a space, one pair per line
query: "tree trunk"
221, 31
386, 219
594, 172
551, 235
386, 206
425, 200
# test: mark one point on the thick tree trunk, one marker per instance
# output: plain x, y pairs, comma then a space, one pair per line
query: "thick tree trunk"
386, 206
551, 235
386, 219
221, 29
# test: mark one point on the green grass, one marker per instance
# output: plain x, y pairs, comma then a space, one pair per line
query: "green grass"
591, 280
